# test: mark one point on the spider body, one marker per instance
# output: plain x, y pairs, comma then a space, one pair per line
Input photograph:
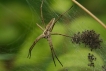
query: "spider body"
47, 32
48, 29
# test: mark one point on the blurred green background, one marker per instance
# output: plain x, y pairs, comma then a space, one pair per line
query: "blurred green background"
18, 30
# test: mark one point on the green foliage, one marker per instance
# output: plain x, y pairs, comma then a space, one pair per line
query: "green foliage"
18, 30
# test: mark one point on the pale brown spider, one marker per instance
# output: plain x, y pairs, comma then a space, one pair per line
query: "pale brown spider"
47, 35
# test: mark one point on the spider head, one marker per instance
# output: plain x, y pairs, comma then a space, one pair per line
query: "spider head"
46, 34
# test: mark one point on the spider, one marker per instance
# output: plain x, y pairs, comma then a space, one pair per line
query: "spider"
47, 32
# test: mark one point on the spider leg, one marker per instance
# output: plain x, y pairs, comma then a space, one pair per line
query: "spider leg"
62, 14
53, 56
52, 51
61, 35
32, 46
39, 26
42, 13
57, 58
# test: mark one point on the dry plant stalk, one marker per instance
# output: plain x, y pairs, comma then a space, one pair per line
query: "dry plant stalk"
92, 15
